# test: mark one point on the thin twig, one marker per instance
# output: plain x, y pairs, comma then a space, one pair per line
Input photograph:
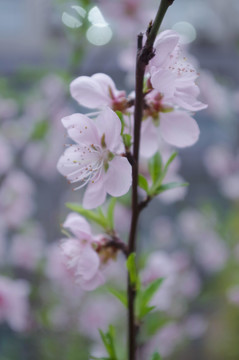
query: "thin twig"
144, 55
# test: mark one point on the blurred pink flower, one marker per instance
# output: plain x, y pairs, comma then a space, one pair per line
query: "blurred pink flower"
97, 158
97, 313
6, 155
8, 108
16, 195
221, 163
233, 295
80, 255
97, 91
166, 340
14, 303
195, 326
160, 265
26, 251
212, 253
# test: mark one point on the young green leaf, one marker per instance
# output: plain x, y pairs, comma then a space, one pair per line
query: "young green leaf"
168, 186
155, 167
144, 296
98, 218
110, 212
131, 266
156, 356
170, 160
108, 340
120, 295
120, 116
143, 183
127, 140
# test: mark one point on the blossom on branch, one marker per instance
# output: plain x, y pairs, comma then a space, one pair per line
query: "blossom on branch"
98, 91
97, 157
83, 254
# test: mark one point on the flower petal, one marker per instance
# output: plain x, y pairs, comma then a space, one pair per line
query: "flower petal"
78, 226
88, 264
164, 82
89, 92
81, 129
93, 283
95, 194
149, 139
108, 123
179, 129
118, 177
165, 43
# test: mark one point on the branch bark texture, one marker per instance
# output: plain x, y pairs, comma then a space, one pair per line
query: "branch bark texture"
144, 54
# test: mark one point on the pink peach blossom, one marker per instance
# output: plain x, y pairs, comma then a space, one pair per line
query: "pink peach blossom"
97, 91
80, 255
172, 75
14, 303
176, 127
97, 158
25, 251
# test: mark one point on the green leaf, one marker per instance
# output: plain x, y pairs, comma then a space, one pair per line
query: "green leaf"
40, 130
170, 160
144, 296
98, 218
143, 183
131, 266
150, 290
156, 356
108, 340
110, 212
120, 116
97, 358
127, 140
145, 311
120, 295
155, 167
169, 186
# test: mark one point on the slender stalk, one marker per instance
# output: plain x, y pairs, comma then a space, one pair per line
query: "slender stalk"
144, 54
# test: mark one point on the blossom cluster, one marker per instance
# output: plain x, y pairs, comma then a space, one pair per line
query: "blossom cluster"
98, 159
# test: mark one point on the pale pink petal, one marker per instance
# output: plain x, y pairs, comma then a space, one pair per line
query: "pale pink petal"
109, 124
69, 162
189, 103
164, 82
118, 177
81, 129
95, 194
149, 139
106, 83
165, 43
179, 129
88, 263
89, 92
93, 283
78, 226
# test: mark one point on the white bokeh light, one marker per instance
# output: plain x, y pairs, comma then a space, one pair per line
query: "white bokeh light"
186, 31
99, 33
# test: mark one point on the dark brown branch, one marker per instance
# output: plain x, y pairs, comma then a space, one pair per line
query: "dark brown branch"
144, 55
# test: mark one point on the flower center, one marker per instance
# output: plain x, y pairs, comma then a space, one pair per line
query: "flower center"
93, 160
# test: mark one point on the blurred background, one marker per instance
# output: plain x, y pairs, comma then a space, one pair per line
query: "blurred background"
188, 236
